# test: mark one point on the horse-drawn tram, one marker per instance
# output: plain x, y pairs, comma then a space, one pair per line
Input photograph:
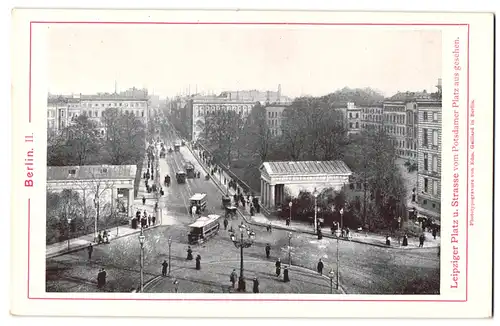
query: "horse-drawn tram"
203, 229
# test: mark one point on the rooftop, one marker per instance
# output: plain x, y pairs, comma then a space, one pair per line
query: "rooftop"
91, 172
306, 167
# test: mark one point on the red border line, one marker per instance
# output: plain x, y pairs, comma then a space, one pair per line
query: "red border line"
29, 78
241, 23
256, 23
467, 187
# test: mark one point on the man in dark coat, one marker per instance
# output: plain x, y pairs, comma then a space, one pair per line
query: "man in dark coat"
154, 219
405, 240
278, 267
143, 200
434, 233
268, 250
198, 262
90, 250
225, 223
422, 239
164, 267
285, 275
189, 253
320, 267
255, 285
233, 277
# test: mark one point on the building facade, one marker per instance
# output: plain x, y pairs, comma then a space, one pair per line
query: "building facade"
394, 122
200, 107
429, 158
274, 117
61, 110
372, 118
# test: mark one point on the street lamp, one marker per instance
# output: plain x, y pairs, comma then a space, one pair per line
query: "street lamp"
69, 230
142, 238
169, 254
290, 204
290, 248
315, 194
337, 235
242, 243
331, 275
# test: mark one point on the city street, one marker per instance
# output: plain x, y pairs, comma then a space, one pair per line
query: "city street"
364, 269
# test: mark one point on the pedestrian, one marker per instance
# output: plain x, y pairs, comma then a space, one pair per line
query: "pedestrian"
278, 267
233, 278
434, 233
287, 222
189, 253
176, 285
143, 200
252, 210
101, 278
285, 275
320, 234
255, 285
198, 262
270, 227
388, 240
268, 251
421, 239
405, 240
90, 250
149, 220
164, 267
226, 222
320, 267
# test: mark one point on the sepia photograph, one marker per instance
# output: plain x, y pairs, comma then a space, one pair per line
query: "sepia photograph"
288, 167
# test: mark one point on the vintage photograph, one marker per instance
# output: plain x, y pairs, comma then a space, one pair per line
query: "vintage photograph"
231, 159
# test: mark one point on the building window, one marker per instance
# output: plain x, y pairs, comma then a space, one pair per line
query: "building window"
350, 125
426, 162
426, 185
357, 115
425, 141
434, 163
357, 125
425, 116
434, 137
435, 116
435, 187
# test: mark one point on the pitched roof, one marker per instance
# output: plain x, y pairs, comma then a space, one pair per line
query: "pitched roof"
90, 172
306, 167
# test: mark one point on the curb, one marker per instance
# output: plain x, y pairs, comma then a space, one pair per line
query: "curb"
299, 231
75, 249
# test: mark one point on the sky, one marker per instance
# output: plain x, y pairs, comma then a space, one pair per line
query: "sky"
305, 60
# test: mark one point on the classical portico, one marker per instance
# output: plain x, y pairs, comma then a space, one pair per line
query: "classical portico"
276, 175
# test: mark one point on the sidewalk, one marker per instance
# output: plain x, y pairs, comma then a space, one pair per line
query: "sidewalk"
60, 248
214, 278
296, 226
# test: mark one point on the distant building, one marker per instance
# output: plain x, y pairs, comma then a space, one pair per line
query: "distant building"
66, 108
200, 106
372, 117
274, 117
263, 97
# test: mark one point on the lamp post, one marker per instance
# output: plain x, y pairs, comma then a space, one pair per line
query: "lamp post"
315, 194
142, 238
290, 249
331, 275
242, 243
69, 230
290, 204
337, 235
169, 254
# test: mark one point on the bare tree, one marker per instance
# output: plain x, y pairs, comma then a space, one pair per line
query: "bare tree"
94, 187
